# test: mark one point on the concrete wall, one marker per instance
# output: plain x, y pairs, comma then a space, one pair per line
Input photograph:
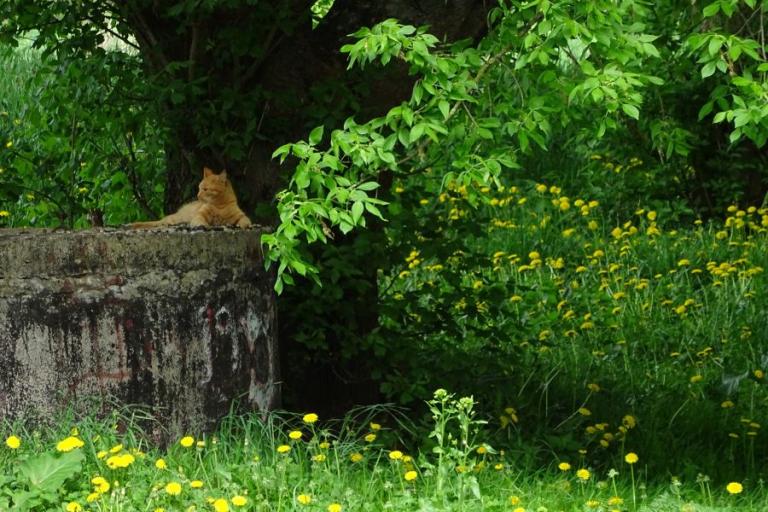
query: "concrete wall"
178, 319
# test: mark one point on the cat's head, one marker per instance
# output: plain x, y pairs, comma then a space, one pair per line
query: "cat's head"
214, 187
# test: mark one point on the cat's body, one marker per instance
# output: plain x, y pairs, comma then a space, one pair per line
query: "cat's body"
216, 205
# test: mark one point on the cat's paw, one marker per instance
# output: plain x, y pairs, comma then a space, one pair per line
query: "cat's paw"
244, 222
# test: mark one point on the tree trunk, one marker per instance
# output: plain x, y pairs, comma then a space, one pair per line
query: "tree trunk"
293, 78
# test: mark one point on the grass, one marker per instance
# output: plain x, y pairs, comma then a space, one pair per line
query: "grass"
289, 462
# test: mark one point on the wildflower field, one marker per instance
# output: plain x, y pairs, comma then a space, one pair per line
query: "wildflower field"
614, 359
302, 462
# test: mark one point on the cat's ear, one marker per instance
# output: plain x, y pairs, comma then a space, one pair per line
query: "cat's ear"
223, 175
207, 172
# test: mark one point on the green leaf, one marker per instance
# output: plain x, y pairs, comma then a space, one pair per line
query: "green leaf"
368, 186
714, 46
445, 108
373, 210
48, 472
705, 110
357, 211
711, 9
708, 70
316, 135
417, 131
631, 110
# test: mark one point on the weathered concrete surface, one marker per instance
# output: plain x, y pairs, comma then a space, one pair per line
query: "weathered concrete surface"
183, 320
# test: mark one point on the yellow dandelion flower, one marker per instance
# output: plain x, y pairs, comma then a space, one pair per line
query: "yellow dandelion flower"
283, 448
120, 461
482, 450
631, 458
324, 445
564, 466
734, 488
584, 411
173, 488
13, 442
196, 484
100, 484
74, 506
304, 499
320, 457
629, 421
395, 455
101, 454
696, 378
295, 434
370, 438
187, 441
759, 374
334, 507
411, 475
375, 427
161, 464
239, 501
727, 404
356, 457
310, 418
68, 444
220, 505
583, 474
92, 497
498, 467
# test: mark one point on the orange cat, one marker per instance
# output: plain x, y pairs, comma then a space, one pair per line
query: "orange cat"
216, 205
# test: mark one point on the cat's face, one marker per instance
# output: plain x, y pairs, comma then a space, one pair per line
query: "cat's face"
212, 187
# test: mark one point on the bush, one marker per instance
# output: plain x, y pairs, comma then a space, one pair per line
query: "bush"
548, 304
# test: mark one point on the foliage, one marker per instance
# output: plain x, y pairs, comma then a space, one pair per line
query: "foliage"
301, 462
71, 163
540, 301
499, 291
548, 71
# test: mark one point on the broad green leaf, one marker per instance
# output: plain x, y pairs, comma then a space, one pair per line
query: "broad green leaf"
48, 472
